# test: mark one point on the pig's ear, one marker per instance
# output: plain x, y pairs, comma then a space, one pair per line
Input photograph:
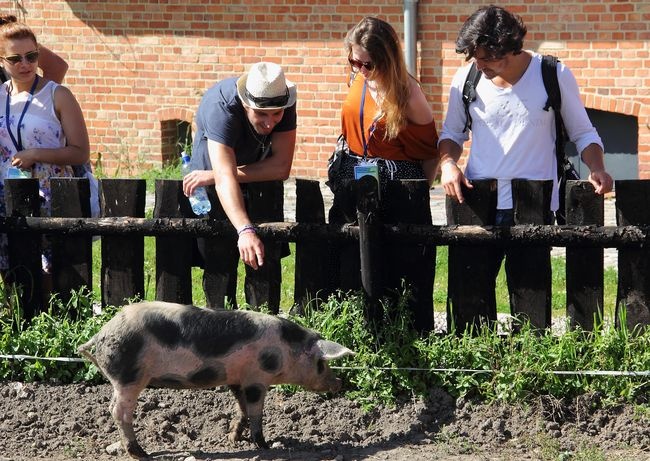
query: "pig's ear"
332, 350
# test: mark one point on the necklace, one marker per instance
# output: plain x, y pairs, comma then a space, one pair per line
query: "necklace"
262, 144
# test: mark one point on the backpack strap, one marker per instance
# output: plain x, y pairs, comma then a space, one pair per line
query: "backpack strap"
551, 84
554, 101
469, 93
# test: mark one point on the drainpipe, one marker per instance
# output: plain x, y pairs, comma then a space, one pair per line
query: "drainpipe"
410, 35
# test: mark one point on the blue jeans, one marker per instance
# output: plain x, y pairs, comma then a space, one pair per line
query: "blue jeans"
505, 217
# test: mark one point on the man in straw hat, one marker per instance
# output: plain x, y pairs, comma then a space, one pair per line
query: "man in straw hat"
246, 132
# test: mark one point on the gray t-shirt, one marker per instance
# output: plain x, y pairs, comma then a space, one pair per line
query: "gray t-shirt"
221, 118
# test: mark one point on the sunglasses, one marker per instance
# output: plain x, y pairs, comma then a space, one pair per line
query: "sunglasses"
30, 57
275, 101
357, 65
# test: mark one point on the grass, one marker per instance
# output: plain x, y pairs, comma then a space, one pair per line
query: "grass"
391, 361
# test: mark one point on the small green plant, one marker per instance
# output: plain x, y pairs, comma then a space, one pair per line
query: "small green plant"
52, 334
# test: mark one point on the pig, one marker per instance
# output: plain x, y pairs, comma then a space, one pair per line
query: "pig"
161, 344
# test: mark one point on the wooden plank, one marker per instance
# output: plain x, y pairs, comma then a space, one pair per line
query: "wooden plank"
584, 266
343, 261
173, 253
633, 296
631, 236
311, 271
469, 307
72, 257
122, 271
370, 246
529, 269
220, 257
24, 275
262, 286
413, 263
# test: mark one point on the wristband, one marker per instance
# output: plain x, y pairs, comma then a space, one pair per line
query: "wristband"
246, 228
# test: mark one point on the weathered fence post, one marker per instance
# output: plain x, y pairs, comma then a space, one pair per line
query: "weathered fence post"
529, 269
220, 257
407, 201
467, 264
173, 253
370, 247
25, 269
584, 266
122, 272
266, 204
72, 256
343, 262
632, 205
310, 267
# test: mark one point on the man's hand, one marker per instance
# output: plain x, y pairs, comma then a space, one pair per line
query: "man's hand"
251, 249
452, 179
594, 158
602, 181
197, 178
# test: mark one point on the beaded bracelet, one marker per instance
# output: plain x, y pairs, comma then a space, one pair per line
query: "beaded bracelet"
246, 228
448, 160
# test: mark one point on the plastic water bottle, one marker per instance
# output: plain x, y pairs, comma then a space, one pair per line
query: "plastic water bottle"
17, 173
199, 200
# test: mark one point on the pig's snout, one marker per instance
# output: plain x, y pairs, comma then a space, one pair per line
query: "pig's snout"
330, 384
336, 385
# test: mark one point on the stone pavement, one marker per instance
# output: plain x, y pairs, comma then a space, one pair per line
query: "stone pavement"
438, 213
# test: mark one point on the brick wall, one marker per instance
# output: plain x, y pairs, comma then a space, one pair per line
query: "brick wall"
139, 66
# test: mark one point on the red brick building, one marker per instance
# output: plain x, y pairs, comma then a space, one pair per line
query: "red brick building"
139, 67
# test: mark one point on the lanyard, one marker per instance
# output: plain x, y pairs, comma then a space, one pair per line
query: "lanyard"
19, 144
374, 122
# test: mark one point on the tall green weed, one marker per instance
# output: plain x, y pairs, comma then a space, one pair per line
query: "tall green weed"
394, 361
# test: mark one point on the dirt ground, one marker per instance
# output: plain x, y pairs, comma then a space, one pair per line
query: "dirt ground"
65, 422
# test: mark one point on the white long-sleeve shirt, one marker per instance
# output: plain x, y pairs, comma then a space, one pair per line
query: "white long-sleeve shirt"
512, 136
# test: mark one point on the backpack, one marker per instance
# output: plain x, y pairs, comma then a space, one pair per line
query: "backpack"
565, 169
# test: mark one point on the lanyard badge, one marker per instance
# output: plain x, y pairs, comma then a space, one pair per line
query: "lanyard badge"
366, 167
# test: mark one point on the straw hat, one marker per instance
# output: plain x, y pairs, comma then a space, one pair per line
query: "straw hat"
265, 87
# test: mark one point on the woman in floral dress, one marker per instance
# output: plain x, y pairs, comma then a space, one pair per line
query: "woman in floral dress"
42, 128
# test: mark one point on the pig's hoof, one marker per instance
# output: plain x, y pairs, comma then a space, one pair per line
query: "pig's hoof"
261, 443
236, 431
135, 451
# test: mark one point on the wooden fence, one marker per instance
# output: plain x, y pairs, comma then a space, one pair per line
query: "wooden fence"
468, 235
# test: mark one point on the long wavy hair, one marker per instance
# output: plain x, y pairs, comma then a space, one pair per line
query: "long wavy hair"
381, 42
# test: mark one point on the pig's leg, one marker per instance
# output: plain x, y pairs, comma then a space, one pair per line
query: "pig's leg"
253, 395
250, 401
122, 407
239, 424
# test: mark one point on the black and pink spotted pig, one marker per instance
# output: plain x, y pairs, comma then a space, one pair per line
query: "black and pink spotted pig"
162, 344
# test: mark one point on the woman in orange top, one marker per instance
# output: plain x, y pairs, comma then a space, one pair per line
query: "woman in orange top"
386, 120
398, 132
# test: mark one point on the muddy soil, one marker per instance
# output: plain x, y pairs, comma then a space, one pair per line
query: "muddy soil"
65, 422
